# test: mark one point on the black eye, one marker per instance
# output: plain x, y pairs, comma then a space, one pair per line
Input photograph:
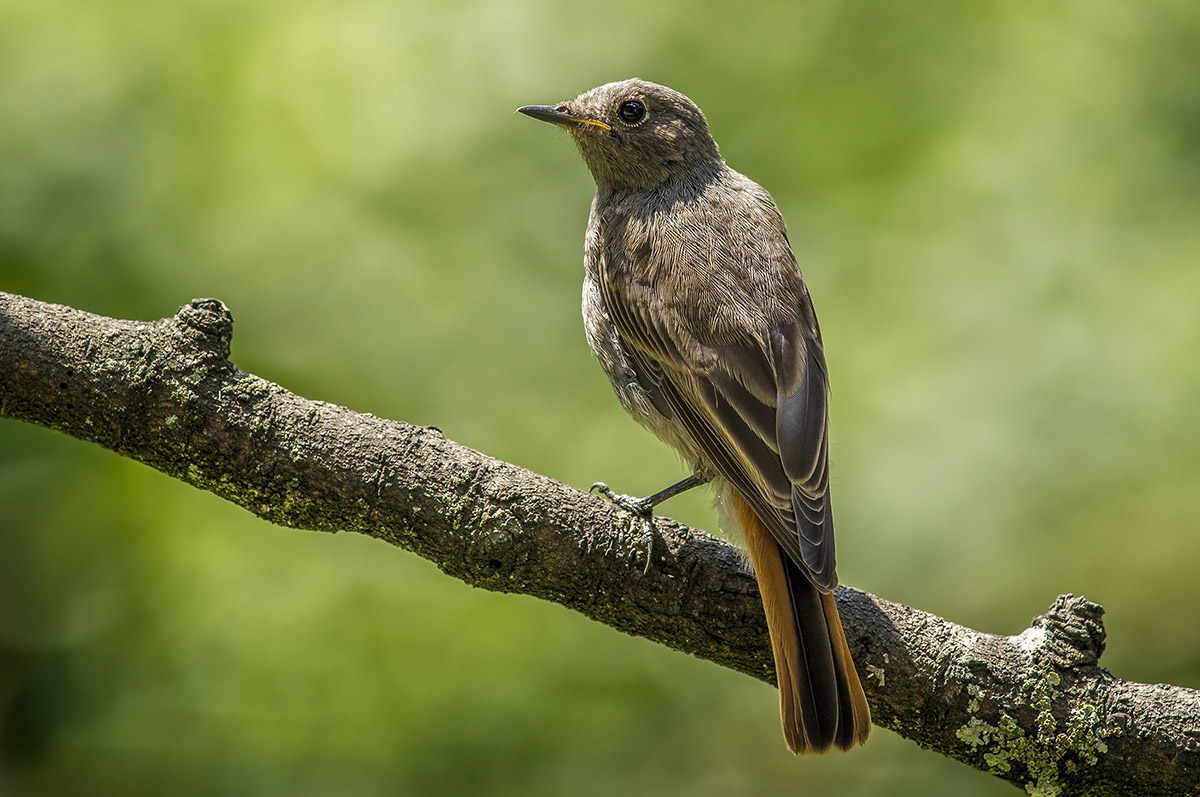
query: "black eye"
631, 111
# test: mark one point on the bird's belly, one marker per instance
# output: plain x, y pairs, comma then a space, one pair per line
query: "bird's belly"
605, 342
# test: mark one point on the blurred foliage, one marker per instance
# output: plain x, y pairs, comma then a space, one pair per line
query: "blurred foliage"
996, 208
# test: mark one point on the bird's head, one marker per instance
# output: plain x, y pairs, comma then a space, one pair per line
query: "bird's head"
635, 135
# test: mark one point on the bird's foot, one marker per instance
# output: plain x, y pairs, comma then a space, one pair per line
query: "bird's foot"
638, 506
642, 510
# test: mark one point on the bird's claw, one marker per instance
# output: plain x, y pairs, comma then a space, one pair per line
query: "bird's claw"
640, 508
637, 506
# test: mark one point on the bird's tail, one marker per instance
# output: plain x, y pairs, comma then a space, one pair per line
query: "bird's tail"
821, 700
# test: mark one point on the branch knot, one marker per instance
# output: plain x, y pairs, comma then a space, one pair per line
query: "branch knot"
212, 319
1074, 630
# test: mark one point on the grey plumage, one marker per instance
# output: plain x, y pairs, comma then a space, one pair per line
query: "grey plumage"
695, 307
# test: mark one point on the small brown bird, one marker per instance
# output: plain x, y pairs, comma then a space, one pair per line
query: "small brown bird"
695, 307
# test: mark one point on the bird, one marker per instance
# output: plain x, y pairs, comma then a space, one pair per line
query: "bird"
695, 308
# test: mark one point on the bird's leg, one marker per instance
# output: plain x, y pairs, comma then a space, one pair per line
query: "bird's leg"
644, 507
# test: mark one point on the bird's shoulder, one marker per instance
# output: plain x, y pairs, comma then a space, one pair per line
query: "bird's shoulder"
701, 277
725, 233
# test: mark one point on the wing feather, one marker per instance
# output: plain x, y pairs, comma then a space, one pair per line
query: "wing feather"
751, 396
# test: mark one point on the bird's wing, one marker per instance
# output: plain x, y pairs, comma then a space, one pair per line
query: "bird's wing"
756, 404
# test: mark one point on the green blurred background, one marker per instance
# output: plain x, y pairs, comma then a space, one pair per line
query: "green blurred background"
996, 206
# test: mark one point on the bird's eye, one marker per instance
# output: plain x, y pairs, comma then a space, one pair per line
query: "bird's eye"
631, 111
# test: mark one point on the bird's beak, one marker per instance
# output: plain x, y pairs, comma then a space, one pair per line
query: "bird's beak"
559, 115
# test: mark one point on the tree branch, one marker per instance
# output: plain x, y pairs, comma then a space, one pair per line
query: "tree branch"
1033, 709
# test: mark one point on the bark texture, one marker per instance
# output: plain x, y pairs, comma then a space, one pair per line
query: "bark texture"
1034, 709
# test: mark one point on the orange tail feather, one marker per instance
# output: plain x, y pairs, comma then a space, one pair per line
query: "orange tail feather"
821, 700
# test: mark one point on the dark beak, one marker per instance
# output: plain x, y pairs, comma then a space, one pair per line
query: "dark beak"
559, 115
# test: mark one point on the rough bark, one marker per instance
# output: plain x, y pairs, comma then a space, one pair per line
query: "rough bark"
1033, 709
